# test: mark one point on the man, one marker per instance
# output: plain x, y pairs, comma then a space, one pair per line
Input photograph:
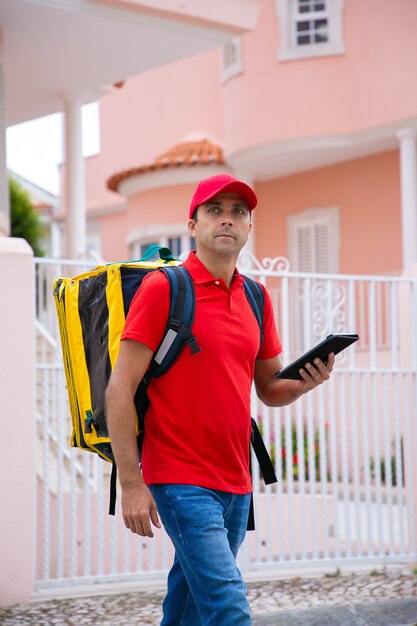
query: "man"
195, 460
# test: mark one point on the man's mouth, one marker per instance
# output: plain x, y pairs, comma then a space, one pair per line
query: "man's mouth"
228, 235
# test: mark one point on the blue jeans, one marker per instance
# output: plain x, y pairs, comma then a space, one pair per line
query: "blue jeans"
207, 527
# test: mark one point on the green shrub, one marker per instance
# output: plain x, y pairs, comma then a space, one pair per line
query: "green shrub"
297, 464
24, 221
383, 470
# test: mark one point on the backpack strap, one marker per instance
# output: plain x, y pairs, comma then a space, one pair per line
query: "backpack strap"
181, 317
261, 453
255, 296
177, 333
113, 489
265, 465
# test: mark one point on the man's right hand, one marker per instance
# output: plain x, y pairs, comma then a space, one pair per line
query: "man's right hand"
139, 510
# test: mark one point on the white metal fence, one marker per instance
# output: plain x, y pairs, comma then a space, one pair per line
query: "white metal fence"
347, 486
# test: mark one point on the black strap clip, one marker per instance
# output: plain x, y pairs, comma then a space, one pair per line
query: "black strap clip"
186, 335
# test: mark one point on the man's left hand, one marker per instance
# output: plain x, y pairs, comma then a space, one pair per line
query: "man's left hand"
314, 374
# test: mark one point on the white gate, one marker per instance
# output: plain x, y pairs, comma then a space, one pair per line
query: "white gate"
347, 486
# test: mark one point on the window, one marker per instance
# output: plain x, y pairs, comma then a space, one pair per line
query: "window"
309, 28
313, 248
314, 240
232, 59
311, 22
179, 245
174, 244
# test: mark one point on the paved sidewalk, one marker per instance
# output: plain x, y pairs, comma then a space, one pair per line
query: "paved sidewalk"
383, 613
381, 599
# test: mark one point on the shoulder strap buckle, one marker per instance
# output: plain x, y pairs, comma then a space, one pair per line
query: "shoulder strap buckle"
186, 334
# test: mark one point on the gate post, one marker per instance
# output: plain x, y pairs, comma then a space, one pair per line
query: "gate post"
17, 415
408, 343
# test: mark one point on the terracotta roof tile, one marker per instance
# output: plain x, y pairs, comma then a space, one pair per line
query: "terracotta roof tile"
188, 153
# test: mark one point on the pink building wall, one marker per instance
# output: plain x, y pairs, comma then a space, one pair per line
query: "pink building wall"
163, 205
113, 228
367, 193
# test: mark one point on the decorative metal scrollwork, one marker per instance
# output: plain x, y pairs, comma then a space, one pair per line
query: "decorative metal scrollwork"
328, 302
278, 264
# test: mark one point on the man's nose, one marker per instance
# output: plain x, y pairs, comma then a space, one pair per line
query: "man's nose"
227, 219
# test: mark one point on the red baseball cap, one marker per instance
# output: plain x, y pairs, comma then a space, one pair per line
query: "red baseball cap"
210, 187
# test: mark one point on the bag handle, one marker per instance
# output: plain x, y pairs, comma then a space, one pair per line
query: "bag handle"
165, 254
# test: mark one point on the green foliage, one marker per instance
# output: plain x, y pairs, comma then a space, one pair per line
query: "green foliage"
334, 574
301, 465
391, 470
25, 222
376, 572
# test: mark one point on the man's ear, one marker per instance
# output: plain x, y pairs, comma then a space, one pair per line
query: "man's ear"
191, 227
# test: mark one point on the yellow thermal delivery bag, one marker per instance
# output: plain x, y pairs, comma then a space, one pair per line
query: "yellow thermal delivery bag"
92, 309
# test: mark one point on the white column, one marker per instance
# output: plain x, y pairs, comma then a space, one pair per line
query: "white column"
4, 182
408, 170
55, 241
75, 180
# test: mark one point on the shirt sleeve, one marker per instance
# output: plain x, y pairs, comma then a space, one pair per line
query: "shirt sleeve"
271, 345
149, 311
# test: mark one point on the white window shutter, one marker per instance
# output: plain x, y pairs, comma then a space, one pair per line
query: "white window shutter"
313, 239
313, 248
322, 247
304, 252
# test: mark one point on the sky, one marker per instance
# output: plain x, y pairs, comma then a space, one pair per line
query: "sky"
35, 149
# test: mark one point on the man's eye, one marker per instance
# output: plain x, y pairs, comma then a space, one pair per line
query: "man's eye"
213, 208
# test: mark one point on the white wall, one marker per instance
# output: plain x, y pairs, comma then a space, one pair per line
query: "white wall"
17, 420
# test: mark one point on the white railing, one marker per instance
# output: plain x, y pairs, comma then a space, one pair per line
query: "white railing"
346, 490
343, 454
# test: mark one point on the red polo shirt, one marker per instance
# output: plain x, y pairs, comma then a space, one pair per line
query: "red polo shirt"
198, 422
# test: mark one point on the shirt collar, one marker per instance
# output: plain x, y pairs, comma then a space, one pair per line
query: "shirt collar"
200, 273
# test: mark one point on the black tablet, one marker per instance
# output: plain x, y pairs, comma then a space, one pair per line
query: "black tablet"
332, 343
